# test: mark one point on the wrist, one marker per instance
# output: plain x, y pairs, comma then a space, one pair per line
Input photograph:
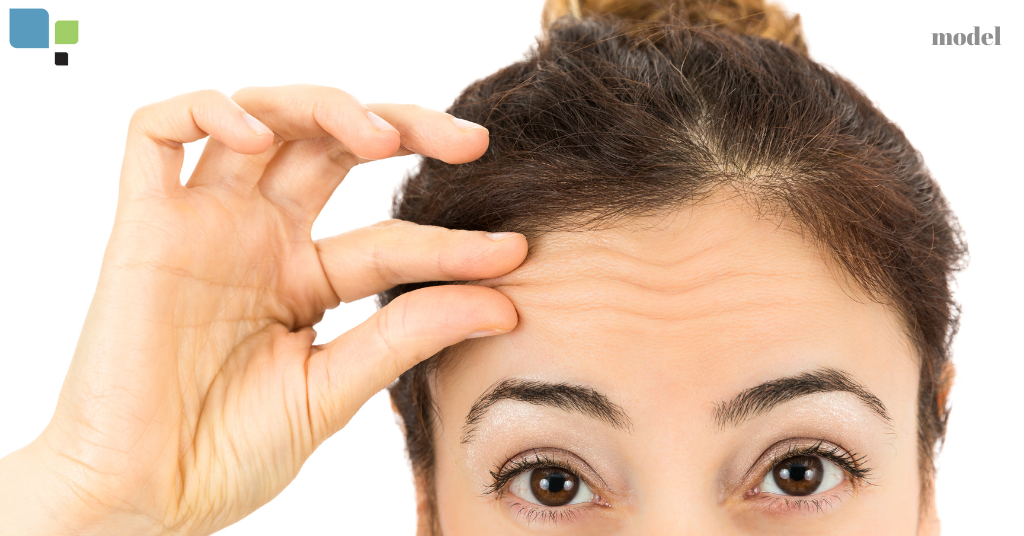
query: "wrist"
39, 494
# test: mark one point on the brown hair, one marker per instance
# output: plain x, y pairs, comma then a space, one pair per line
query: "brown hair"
629, 108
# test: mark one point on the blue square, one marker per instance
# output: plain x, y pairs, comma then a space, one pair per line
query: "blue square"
30, 28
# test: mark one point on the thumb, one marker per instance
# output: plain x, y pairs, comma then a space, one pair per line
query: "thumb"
343, 374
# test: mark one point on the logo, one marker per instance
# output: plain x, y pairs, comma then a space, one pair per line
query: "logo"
975, 38
30, 28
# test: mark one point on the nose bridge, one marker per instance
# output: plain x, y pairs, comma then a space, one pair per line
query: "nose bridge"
677, 487
678, 504
679, 520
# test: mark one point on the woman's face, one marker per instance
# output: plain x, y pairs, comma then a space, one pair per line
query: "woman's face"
700, 373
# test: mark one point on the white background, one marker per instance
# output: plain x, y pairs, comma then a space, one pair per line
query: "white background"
62, 140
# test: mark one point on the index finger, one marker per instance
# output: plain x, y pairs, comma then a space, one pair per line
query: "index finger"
369, 132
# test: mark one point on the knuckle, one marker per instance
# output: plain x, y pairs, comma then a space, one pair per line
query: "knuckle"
148, 120
324, 98
207, 103
335, 92
383, 258
391, 326
140, 115
208, 94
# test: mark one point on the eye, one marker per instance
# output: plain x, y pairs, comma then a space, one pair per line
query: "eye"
802, 475
550, 486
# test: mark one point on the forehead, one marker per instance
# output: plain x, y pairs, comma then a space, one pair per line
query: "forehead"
704, 300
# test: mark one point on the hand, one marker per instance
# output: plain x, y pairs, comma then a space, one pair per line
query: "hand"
195, 393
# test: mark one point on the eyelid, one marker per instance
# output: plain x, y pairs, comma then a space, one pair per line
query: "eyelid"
548, 456
860, 474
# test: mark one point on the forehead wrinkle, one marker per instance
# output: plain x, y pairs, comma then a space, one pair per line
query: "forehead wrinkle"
712, 282
672, 275
710, 262
709, 297
607, 274
700, 249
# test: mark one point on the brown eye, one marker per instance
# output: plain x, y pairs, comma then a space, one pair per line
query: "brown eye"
799, 475
802, 475
551, 486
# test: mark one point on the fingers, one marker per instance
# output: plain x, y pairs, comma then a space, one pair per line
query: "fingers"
301, 176
372, 259
346, 372
435, 134
306, 111
305, 173
299, 112
153, 153
218, 163
369, 132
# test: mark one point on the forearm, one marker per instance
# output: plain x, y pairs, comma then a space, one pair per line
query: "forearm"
37, 499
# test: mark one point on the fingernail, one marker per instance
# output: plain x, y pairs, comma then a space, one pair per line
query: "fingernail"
499, 236
485, 333
255, 125
465, 125
379, 123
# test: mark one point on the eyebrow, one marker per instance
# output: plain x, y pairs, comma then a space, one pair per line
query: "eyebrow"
565, 396
763, 398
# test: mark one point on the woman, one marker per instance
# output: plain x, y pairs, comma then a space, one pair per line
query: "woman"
734, 317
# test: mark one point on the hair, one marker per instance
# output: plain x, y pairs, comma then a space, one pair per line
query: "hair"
628, 108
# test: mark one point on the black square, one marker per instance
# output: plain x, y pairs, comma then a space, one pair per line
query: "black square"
60, 58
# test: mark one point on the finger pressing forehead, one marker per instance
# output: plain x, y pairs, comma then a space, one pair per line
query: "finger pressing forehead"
372, 259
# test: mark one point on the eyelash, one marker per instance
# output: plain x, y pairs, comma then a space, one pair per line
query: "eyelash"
850, 462
532, 513
506, 472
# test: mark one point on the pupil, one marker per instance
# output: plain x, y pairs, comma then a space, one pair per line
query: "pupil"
556, 483
796, 472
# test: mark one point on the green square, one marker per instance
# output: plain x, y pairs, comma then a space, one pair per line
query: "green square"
66, 32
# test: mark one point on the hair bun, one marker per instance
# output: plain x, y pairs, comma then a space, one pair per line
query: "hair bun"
748, 17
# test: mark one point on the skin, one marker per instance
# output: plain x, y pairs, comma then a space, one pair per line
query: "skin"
667, 317
195, 392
